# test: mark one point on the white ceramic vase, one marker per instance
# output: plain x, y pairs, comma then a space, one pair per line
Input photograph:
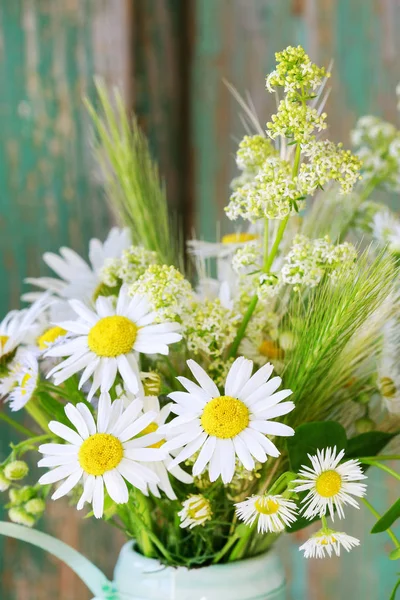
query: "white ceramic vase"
139, 578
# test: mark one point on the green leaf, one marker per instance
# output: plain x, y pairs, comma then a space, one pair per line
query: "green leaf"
53, 407
311, 437
388, 518
242, 530
395, 554
368, 444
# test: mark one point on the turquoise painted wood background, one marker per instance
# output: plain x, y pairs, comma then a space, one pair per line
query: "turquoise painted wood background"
169, 58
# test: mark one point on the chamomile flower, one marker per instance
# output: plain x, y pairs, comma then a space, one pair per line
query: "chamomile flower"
101, 454
156, 440
328, 542
196, 510
27, 376
107, 339
273, 513
77, 278
262, 350
20, 327
223, 427
330, 484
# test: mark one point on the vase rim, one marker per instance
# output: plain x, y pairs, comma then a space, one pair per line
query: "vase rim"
130, 548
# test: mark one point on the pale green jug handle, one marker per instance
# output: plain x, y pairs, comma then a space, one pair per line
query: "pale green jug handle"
95, 580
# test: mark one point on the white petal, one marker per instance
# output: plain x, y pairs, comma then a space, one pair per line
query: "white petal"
116, 486
77, 420
204, 380
189, 450
66, 433
238, 376
243, 453
98, 498
59, 473
68, 484
204, 456
87, 416
128, 374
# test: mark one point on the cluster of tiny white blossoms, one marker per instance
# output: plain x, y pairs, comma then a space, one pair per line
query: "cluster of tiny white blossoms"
378, 145
129, 267
247, 258
295, 71
166, 290
309, 260
210, 328
274, 186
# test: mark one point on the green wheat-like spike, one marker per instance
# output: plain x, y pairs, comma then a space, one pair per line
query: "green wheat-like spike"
338, 328
131, 178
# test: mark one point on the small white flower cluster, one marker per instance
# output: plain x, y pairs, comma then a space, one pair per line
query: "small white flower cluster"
210, 328
328, 161
308, 260
247, 258
378, 145
167, 292
273, 193
129, 267
253, 152
295, 72
296, 121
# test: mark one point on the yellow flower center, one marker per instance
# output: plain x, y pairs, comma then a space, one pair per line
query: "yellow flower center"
270, 349
266, 506
3, 340
388, 387
50, 336
112, 336
24, 382
238, 238
328, 484
225, 417
151, 429
99, 453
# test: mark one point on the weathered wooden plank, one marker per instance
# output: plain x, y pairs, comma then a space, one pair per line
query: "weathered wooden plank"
237, 39
50, 196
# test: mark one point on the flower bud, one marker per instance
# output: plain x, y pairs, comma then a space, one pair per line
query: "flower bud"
15, 470
21, 495
4, 482
35, 506
287, 340
20, 516
364, 425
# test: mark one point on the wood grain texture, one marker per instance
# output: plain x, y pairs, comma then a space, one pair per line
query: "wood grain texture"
237, 40
169, 57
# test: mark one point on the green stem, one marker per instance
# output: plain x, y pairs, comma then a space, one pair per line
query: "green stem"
225, 548
243, 326
276, 244
17, 426
378, 516
266, 242
34, 410
240, 548
380, 457
375, 463
324, 522
296, 163
145, 516
37, 439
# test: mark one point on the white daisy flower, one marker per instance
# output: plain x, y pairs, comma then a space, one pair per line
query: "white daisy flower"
330, 485
157, 440
102, 454
196, 510
108, 338
222, 427
78, 279
262, 350
273, 513
27, 376
328, 542
20, 327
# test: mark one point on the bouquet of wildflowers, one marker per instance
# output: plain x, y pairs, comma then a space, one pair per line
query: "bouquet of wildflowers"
206, 415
